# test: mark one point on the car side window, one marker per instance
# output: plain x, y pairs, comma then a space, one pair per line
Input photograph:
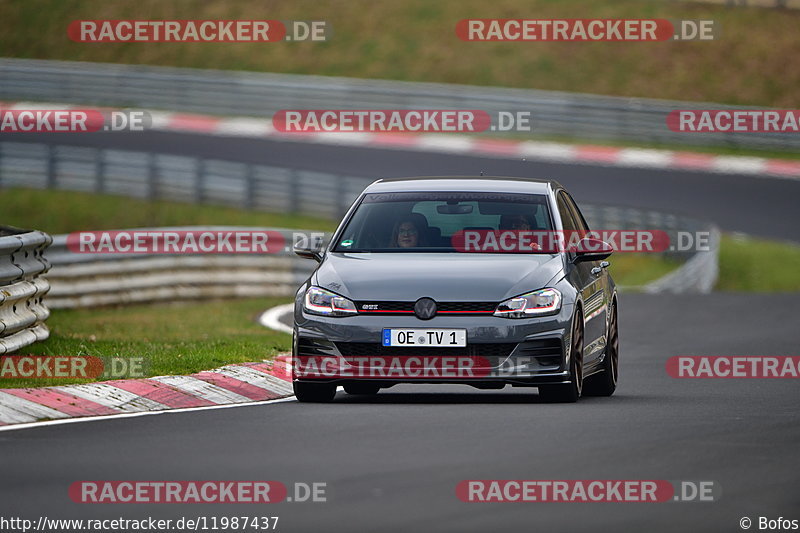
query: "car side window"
566, 216
576, 213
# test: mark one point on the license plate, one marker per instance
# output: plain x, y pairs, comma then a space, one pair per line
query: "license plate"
437, 338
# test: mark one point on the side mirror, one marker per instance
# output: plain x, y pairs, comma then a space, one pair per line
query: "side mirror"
309, 250
591, 250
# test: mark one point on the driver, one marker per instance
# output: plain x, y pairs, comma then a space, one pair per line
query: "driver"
408, 231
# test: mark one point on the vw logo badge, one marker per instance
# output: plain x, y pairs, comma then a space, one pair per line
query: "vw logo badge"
425, 308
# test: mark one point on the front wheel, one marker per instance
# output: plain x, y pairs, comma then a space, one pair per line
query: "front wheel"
314, 392
605, 383
569, 392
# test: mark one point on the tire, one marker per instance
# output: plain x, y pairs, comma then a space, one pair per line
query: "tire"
314, 392
605, 383
365, 389
569, 392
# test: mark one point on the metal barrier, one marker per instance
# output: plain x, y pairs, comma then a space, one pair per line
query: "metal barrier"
22, 311
185, 179
91, 280
581, 116
698, 274
700, 267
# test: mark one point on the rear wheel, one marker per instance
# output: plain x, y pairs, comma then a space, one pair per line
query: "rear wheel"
314, 392
362, 388
605, 383
569, 392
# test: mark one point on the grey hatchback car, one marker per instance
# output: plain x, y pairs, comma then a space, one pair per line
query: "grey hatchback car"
470, 280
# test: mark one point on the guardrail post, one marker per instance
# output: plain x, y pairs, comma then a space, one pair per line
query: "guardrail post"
100, 171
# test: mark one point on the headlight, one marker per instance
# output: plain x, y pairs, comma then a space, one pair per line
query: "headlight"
536, 303
321, 302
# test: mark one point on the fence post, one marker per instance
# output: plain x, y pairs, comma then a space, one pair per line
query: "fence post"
100, 171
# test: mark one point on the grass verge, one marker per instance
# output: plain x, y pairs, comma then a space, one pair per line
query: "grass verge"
747, 264
173, 339
634, 270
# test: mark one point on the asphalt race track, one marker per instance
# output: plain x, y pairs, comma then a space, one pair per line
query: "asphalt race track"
392, 463
735, 202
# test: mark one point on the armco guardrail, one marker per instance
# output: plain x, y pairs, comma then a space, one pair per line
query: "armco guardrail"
96, 279
22, 311
582, 116
698, 274
169, 177
700, 266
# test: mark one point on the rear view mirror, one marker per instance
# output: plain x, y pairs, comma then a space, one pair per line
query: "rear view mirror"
454, 209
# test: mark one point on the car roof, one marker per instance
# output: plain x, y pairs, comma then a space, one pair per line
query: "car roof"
464, 183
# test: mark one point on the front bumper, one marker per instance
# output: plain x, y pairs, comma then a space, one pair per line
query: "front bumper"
523, 352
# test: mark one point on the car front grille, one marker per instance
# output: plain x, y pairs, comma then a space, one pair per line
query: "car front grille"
443, 308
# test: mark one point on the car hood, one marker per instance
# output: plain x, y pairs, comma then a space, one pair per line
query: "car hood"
441, 276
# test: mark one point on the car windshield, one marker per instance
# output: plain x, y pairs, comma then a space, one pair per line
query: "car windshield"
438, 221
